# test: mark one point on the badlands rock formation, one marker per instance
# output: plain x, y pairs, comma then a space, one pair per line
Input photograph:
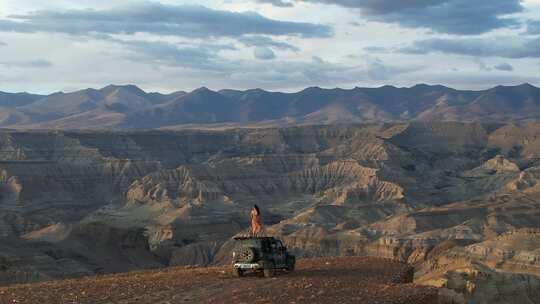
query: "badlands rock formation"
459, 201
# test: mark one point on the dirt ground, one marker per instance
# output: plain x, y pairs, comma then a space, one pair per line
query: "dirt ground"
322, 280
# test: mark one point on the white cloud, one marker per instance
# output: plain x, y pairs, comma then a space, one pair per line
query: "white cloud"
263, 53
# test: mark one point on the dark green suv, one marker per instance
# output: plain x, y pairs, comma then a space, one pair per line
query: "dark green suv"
265, 254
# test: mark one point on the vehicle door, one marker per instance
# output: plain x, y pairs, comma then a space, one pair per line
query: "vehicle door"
280, 254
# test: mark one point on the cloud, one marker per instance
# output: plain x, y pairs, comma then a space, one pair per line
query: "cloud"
356, 23
461, 17
292, 74
279, 3
263, 41
504, 67
381, 6
205, 62
37, 63
194, 56
375, 49
533, 27
263, 53
318, 60
197, 57
482, 65
377, 70
504, 46
160, 19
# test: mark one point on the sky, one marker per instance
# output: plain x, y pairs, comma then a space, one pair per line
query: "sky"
278, 45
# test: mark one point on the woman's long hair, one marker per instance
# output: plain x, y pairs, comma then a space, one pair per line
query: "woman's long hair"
257, 209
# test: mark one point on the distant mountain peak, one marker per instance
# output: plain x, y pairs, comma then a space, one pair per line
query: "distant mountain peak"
430, 86
257, 90
523, 85
128, 87
312, 89
527, 85
201, 90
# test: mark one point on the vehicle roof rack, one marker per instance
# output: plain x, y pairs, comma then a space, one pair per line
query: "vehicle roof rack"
247, 237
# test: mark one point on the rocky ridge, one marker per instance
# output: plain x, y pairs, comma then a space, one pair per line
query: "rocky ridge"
129, 107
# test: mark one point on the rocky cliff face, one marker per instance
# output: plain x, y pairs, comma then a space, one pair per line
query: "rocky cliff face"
502, 269
459, 201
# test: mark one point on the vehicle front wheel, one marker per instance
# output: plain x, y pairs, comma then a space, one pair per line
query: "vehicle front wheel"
269, 271
238, 272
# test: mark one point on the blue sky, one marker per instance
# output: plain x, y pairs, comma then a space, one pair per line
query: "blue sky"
286, 45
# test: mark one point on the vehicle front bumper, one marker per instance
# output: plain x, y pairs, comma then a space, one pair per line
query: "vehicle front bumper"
248, 266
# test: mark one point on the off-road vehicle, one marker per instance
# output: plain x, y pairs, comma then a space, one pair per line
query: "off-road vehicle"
265, 254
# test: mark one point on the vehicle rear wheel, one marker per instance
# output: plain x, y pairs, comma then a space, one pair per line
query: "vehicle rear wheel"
247, 255
238, 272
269, 271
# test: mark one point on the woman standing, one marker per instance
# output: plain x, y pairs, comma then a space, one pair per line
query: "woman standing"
256, 222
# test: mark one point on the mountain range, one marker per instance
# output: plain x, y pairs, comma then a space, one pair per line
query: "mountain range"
129, 107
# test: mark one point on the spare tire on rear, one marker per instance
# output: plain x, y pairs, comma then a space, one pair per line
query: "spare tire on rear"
247, 255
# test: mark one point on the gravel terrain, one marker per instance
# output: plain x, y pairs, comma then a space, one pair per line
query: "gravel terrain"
321, 280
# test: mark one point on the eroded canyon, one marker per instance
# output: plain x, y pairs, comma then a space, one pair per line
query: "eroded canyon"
459, 201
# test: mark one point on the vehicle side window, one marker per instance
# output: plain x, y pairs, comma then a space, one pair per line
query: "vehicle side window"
266, 246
